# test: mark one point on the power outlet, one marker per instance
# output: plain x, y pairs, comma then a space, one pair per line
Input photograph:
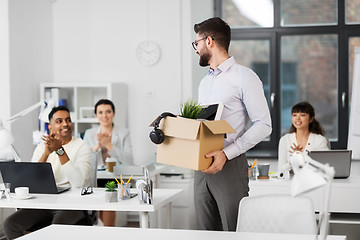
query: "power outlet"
150, 93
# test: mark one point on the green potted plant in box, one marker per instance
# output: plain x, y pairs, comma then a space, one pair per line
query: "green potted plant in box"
191, 109
111, 192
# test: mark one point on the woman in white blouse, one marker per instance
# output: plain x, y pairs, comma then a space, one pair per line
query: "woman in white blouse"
305, 134
110, 142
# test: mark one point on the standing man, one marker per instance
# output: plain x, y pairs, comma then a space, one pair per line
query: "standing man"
219, 189
70, 160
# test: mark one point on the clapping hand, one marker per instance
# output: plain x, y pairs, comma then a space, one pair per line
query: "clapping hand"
295, 148
52, 142
104, 140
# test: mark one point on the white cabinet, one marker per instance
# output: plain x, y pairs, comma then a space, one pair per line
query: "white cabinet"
183, 209
81, 98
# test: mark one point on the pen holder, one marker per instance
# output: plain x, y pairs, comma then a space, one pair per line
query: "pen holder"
252, 173
145, 191
5, 190
123, 191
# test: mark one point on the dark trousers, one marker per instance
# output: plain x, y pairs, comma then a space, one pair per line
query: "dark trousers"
217, 196
26, 219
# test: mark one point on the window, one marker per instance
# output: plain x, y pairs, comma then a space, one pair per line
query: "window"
243, 51
304, 54
312, 77
245, 13
308, 12
352, 11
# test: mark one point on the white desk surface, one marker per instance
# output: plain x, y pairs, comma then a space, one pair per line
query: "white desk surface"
152, 172
61, 232
350, 182
72, 200
344, 192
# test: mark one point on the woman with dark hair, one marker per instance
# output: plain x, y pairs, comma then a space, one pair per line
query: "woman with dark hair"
305, 134
108, 141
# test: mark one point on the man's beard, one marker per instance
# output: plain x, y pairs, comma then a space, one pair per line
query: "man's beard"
204, 59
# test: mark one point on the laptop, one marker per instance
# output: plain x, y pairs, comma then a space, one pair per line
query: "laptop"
39, 177
339, 159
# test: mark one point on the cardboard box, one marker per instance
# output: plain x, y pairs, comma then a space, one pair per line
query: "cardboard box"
187, 141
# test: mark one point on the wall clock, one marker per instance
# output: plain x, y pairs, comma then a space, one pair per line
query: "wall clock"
148, 53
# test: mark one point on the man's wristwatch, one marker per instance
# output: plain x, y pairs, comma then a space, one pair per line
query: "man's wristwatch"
60, 151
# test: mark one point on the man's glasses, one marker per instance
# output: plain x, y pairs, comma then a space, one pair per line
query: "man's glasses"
86, 191
195, 43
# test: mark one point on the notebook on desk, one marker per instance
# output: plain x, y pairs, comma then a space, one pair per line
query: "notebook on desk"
339, 159
39, 177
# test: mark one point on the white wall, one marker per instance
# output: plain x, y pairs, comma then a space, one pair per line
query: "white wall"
201, 10
30, 62
4, 60
4, 71
96, 40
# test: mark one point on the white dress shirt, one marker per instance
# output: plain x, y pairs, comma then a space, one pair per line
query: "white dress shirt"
245, 106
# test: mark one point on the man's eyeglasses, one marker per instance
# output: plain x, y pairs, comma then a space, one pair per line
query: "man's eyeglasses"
86, 191
195, 43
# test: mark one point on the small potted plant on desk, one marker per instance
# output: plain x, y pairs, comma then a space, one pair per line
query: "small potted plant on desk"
111, 192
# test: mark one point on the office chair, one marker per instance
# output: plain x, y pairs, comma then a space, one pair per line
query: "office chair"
276, 214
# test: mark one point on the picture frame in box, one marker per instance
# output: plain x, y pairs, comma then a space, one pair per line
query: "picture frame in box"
212, 111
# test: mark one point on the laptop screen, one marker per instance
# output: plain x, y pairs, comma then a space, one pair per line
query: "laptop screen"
39, 177
339, 159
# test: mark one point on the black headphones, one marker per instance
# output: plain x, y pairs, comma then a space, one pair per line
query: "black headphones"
157, 136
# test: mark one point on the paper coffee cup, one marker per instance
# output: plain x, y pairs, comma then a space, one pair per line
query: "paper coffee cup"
22, 191
110, 164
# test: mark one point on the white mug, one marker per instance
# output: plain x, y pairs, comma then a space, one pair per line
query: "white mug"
22, 191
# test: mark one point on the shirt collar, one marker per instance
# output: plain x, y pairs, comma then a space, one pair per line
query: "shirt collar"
210, 72
222, 67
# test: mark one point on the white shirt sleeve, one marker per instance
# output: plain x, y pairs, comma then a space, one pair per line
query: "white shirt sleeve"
39, 150
282, 153
253, 98
77, 170
323, 143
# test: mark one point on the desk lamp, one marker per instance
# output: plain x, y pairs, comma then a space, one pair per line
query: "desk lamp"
309, 175
6, 138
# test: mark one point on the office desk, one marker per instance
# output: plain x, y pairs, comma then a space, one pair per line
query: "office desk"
345, 194
61, 232
72, 200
